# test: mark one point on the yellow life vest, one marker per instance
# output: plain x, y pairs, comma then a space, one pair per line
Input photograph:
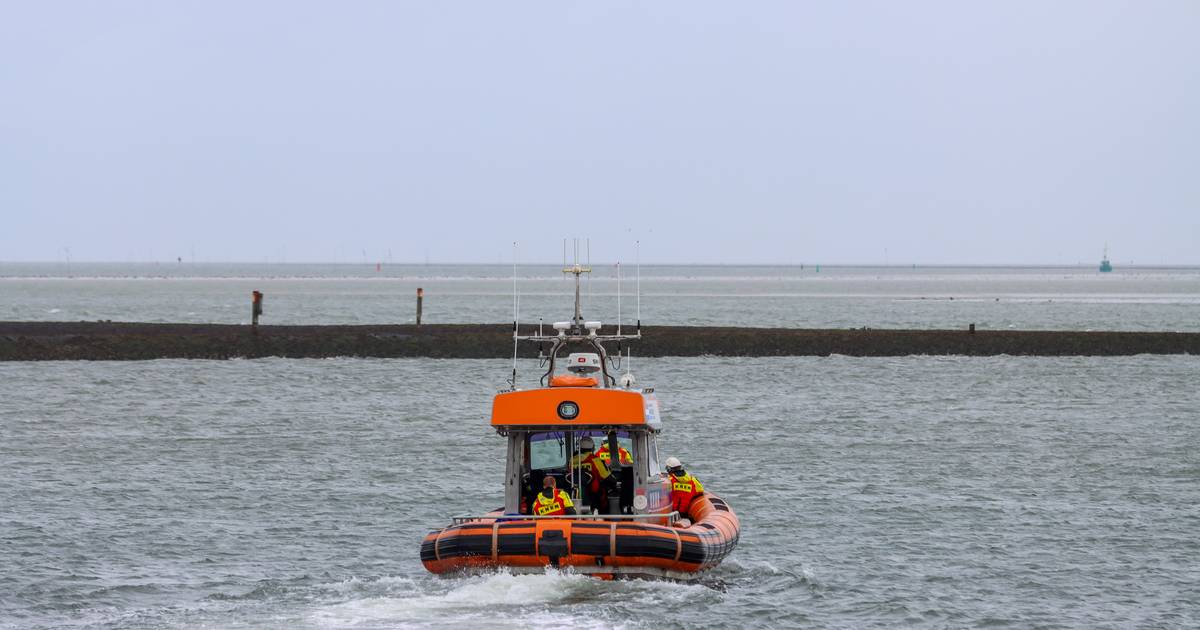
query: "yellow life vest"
543, 506
686, 483
602, 460
626, 458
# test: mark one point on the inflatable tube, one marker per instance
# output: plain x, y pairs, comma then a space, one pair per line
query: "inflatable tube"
604, 548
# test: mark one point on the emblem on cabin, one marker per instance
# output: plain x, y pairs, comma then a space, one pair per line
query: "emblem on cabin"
568, 410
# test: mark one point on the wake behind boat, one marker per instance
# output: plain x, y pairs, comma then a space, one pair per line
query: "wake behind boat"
568, 501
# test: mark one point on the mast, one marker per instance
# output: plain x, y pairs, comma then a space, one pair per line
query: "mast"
577, 330
578, 270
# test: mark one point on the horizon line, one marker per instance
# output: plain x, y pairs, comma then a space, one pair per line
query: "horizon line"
906, 265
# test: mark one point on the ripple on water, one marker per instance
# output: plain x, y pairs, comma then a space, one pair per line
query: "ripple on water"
885, 492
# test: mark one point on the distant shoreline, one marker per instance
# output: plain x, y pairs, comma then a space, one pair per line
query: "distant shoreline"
1080, 265
121, 341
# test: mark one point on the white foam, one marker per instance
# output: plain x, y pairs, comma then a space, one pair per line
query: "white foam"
387, 584
505, 588
496, 600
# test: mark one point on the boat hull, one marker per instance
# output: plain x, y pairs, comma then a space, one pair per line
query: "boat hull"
604, 549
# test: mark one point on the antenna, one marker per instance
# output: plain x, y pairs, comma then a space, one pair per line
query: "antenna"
618, 297
638, 254
577, 269
589, 265
516, 315
516, 299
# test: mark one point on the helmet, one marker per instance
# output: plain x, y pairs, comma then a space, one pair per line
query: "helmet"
586, 443
673, 464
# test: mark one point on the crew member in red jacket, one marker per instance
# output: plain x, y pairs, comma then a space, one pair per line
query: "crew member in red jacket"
684, 487
603, 481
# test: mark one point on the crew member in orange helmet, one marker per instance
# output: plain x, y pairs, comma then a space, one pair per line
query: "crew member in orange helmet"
684, 487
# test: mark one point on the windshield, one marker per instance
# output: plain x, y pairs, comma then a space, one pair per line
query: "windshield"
600, 439
547, 450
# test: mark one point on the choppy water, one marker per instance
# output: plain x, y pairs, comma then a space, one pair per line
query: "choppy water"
1071, 298
874, 492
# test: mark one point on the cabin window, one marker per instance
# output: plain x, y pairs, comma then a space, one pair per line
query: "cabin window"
547, 450
600, 438
652, 454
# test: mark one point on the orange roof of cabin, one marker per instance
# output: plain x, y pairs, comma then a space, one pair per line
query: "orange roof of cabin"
540, 407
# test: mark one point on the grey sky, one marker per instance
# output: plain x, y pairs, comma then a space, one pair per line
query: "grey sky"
955, 132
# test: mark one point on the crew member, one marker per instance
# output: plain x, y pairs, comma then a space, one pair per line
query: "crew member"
581, 469
603, 481
600, 463
684, 487
583, 450
551, 501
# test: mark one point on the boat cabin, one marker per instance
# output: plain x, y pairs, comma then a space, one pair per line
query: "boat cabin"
553, 431
566, 428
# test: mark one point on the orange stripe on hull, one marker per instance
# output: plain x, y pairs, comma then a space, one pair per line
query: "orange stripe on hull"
600, 548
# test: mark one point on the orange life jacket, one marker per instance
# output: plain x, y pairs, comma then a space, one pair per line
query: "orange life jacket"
600, 461
684, 488
626, 458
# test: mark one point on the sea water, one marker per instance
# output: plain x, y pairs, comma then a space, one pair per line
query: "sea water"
873, 493
1027, 298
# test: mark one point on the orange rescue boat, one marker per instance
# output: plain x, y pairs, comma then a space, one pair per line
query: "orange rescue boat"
624, 527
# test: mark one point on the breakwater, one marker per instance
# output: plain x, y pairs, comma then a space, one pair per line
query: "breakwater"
47, 341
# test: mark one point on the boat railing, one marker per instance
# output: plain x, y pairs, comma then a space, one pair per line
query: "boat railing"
672, 517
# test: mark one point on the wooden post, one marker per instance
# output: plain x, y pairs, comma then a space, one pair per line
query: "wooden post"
420, 297
971, 329
256, 301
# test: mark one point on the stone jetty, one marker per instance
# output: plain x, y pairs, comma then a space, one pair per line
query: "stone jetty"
126, 341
